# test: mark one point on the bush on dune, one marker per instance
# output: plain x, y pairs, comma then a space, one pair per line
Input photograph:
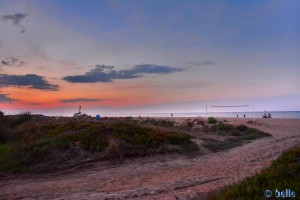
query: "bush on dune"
211, 120
53, 146
281, 175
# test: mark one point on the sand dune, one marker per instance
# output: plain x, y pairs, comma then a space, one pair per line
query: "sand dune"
159, 177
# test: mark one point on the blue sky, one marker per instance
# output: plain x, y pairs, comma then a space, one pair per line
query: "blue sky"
226, 52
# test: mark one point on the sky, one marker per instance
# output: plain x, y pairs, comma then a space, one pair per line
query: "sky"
142, 56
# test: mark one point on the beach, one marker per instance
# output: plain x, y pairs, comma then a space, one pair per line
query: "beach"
160, 176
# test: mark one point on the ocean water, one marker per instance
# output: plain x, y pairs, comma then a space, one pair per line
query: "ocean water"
274, 114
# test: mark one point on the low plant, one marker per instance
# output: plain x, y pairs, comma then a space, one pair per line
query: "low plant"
43, 148
211, 120
242, 128
282, 174
158, 122
115, 149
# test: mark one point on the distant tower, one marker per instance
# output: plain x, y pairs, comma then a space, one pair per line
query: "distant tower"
80, 109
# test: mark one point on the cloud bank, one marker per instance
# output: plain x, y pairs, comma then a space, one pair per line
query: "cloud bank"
16, 19
29, 80
11, 61
104, 73
5, 99
80, 100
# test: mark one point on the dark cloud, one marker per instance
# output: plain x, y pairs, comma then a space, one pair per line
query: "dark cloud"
5, 99
201, 63
29, 80
16, 19
80, 100
103, 73
11, 61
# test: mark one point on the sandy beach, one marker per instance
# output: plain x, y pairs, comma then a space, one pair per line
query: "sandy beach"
160, 176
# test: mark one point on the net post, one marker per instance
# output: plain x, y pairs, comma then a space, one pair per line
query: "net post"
253, 113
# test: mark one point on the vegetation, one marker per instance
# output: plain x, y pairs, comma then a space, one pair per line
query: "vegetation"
282, 174
217, 145
42, 144
1, 114
232, 136
21, 118
25, 145
158, 122
211, 120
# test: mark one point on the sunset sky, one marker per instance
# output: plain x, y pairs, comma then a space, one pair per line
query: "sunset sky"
148, 56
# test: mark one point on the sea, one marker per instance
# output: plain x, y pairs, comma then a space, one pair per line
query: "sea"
274, 114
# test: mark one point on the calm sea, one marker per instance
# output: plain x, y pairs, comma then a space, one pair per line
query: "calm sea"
274, 114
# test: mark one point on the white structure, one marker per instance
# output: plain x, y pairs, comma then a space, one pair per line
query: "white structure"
80, 114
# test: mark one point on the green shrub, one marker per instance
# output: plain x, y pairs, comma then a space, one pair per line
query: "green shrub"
242, 128
158, 122
253, 133
211, 120
48, 147
221, 128
224, 127
282, 174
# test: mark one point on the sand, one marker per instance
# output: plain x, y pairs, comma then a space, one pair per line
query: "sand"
160, 177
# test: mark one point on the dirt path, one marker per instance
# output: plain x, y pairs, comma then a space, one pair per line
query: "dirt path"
160, 177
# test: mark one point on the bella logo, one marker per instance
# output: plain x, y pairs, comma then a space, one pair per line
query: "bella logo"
288, 193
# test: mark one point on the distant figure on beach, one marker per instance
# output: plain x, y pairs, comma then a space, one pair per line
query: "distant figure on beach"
237, 116
265, 115
171, 114
244, 116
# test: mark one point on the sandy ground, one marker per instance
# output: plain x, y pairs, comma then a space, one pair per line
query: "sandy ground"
160, 177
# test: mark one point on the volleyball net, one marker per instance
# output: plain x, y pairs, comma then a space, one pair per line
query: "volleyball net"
237, 110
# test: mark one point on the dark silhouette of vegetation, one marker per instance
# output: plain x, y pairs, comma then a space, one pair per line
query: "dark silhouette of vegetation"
1, 113
21, 118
